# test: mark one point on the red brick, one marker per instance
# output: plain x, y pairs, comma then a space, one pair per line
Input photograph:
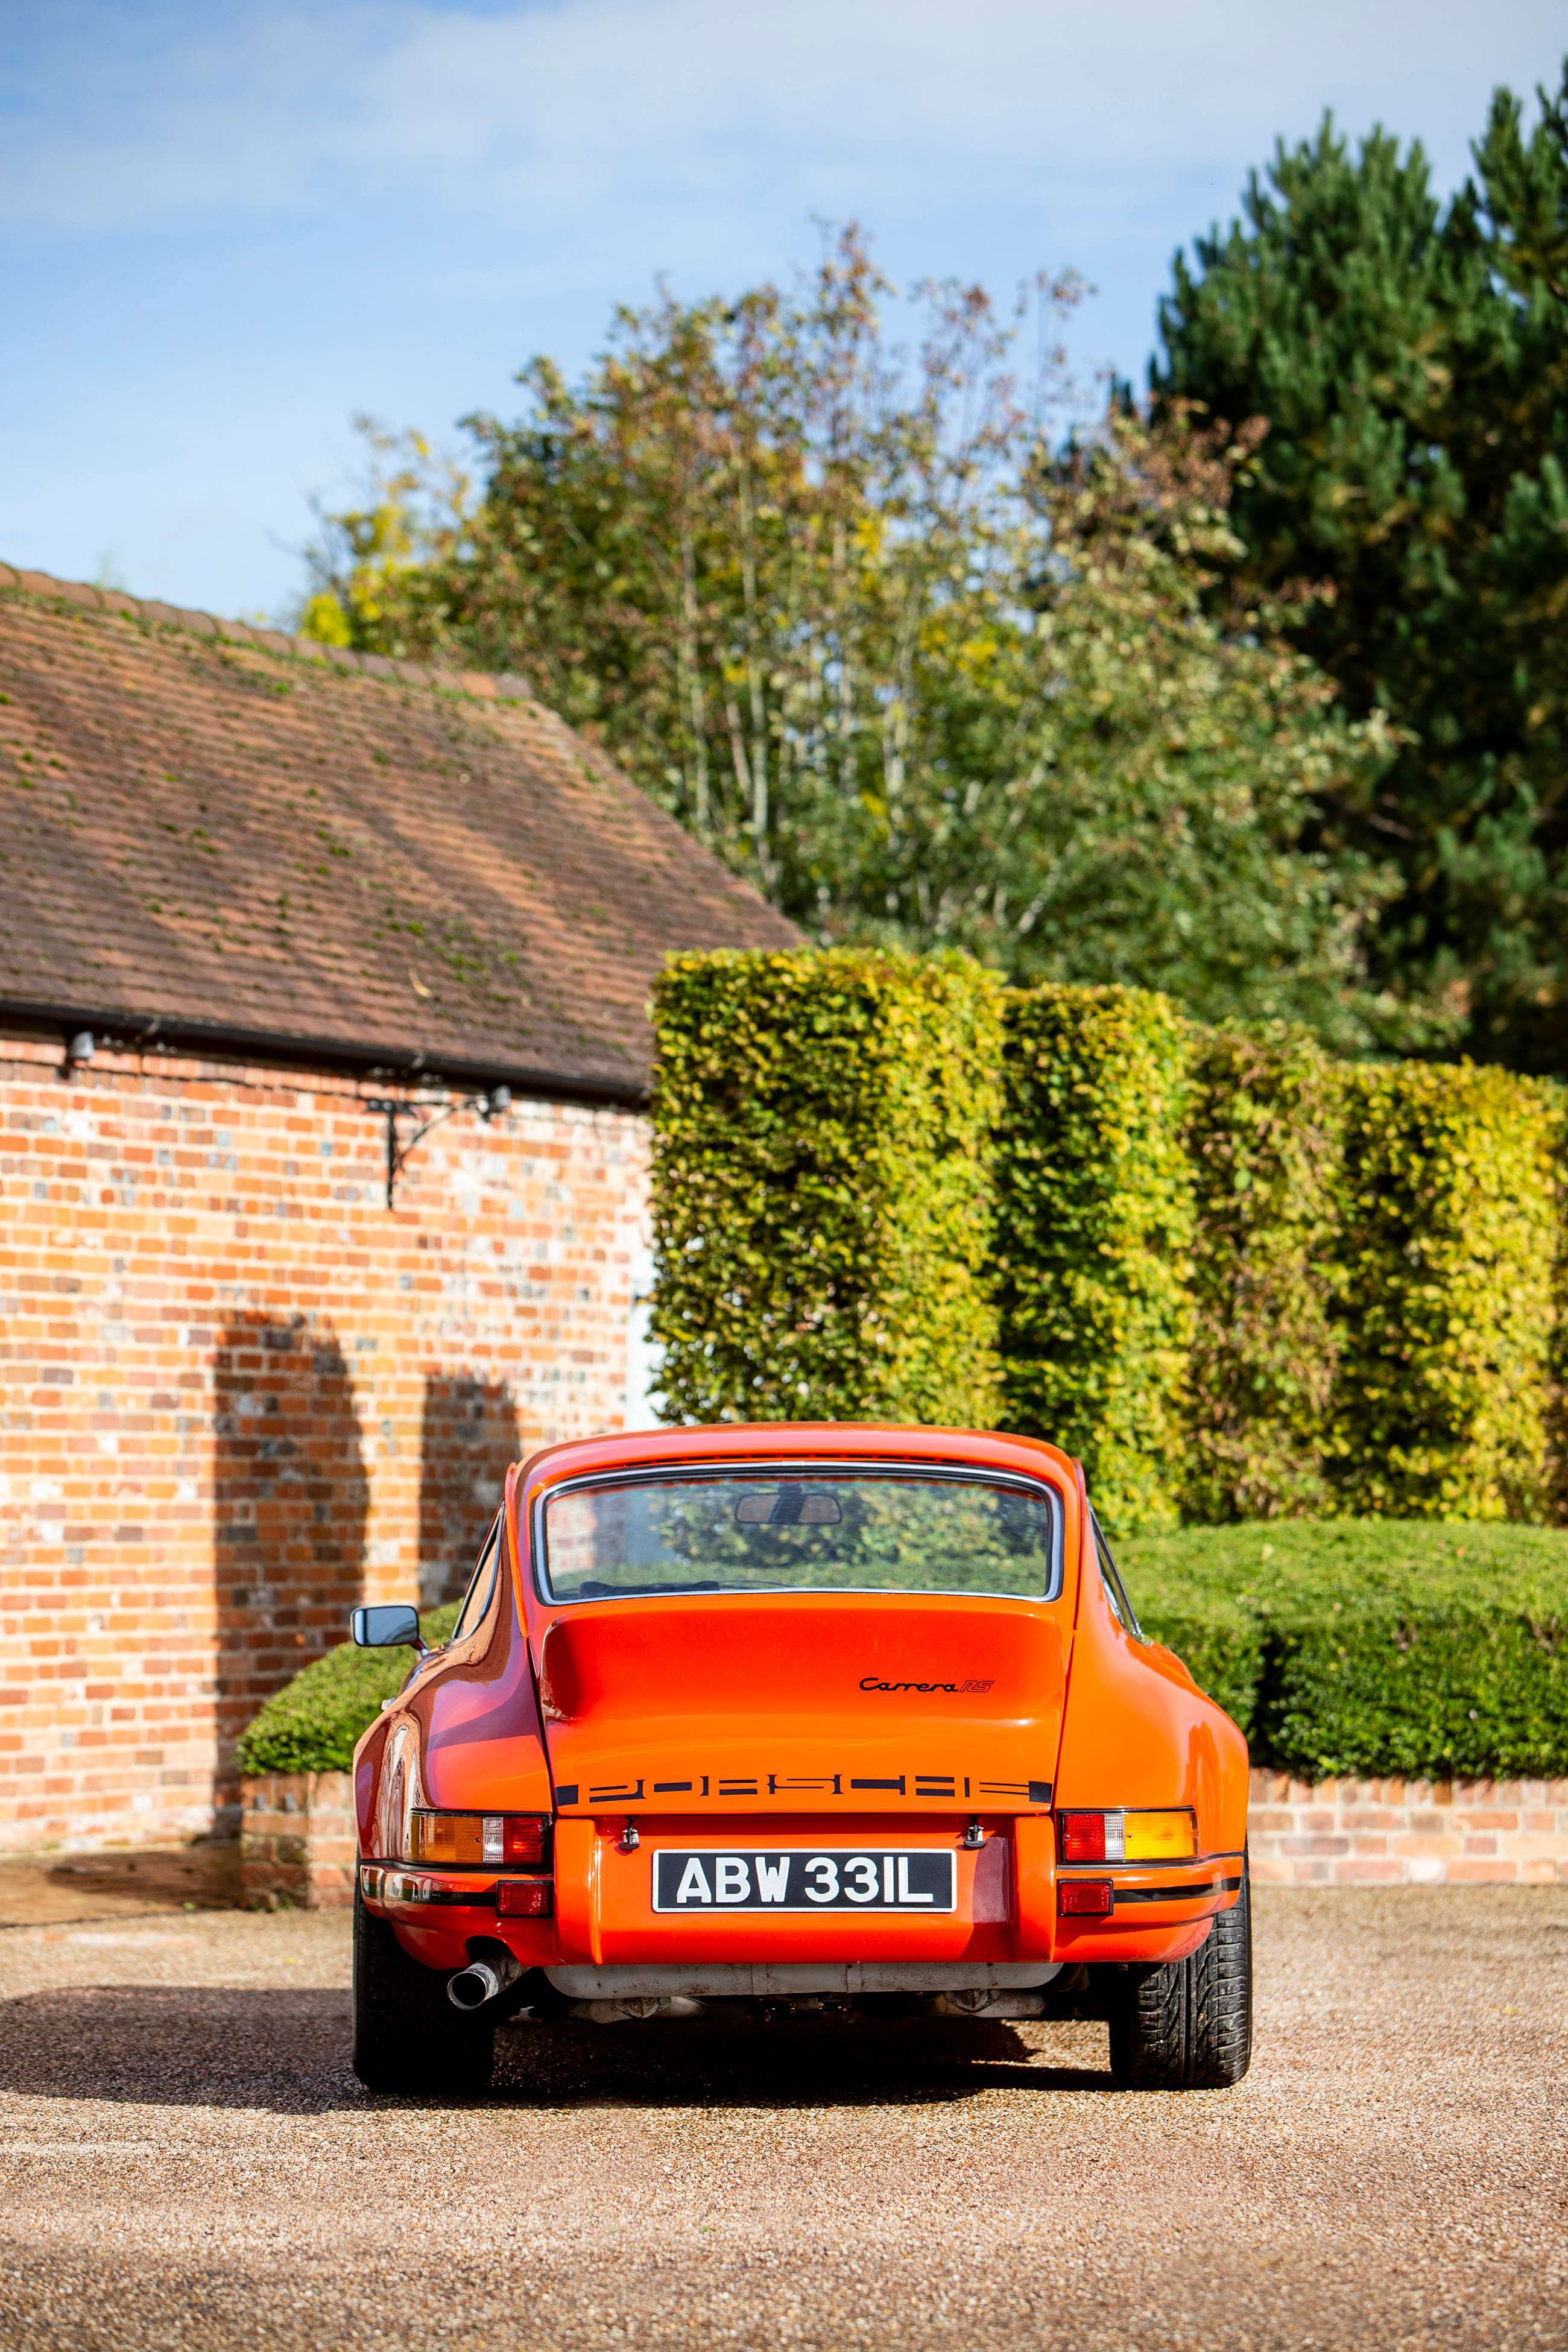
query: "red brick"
1426, 1833
402, 1357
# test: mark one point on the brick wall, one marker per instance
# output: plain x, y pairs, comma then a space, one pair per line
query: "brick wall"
299, 1841
1408, 1833
237, 1394
298, 1834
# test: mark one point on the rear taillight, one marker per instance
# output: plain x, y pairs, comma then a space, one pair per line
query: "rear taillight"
1084, 1898
521, 1838
1145, 1836
525, 1899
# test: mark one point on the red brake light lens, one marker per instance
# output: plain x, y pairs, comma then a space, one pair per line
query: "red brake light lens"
1084, 1898
1082, 1837
525, 1837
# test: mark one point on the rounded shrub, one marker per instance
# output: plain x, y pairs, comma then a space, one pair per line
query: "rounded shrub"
312, 1724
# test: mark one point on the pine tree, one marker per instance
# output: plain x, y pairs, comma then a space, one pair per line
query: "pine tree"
1411, 360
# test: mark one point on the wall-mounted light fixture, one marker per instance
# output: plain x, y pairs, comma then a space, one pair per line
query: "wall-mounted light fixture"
489, 1104
80, 1049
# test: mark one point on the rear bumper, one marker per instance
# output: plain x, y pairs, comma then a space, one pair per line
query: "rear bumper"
1159, 1911
1007, 1914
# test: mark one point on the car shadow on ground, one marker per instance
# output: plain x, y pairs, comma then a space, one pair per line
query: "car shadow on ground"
287, 2052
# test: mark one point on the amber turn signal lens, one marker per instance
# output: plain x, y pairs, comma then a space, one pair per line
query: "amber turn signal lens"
479, 1837
1084, 1898
1160, 1837
525, 1899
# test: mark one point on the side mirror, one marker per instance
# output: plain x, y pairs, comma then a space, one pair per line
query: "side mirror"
390, 1627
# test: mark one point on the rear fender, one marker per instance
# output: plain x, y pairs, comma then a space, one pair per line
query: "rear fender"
468, 1726
483, 1740
1137, 1731
368, 1756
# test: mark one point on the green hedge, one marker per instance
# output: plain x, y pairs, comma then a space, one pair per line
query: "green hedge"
1448, 1248
1095, 1227
822, 1187
1362, 1647
1265, 1141
1237, 1279
312, 1723
1344, 1646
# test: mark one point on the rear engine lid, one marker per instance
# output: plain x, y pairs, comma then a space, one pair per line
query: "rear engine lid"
804, 1704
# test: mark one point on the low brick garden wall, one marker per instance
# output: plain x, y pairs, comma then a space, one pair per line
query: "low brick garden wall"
1393, 1832
297, 1841
297, 1833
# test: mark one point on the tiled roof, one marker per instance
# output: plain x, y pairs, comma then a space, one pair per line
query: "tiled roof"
205, 823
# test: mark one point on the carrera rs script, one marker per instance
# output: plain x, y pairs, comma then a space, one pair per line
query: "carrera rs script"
871, 1683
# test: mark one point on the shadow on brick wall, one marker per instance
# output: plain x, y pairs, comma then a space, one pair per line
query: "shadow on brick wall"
468, 1440
290, 1499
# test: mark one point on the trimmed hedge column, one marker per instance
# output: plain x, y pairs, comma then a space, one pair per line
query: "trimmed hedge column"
1266, 1139
822, 1187
1095, 1232
1447, 1251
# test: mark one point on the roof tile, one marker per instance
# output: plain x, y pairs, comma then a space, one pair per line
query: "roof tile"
209, 827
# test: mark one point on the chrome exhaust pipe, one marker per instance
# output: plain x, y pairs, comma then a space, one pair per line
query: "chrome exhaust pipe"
482, 1981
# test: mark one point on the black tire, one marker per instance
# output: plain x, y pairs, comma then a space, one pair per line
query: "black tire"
1188, 2026
407, 2035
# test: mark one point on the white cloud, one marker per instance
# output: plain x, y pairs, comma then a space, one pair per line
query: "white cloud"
232, 222
677, 103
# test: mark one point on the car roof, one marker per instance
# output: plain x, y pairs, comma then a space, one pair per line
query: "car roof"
740, 1443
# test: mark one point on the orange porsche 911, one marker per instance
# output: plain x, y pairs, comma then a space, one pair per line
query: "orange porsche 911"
810, 1717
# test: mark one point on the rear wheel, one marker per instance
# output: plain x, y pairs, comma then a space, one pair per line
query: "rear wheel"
407, 2035
1188, 2026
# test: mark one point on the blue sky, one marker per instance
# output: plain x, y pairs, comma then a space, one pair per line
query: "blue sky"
225, 227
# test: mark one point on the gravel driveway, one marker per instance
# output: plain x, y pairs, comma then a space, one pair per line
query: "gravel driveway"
188, 2162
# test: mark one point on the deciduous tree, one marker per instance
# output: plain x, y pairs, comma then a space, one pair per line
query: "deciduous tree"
835, 604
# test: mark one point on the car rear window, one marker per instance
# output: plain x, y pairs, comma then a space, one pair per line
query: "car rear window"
781, 1530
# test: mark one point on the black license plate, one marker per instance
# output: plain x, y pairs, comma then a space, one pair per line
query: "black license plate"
804, 1878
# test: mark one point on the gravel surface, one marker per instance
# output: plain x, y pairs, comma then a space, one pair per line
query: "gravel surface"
186, 2160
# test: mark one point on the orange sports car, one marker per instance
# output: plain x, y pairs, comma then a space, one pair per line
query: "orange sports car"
799, 1715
